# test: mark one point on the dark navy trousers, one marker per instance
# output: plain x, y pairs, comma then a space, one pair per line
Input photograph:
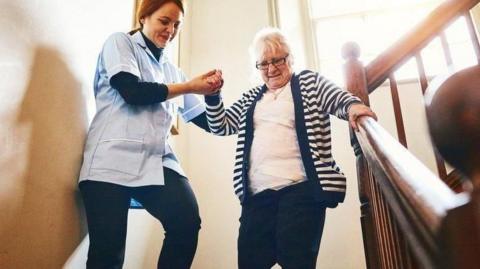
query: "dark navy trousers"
283, 227
173, 204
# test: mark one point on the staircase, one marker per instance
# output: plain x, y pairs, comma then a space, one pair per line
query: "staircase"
411, 218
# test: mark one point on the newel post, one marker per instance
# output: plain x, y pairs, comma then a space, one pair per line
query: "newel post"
356, 83
453, 114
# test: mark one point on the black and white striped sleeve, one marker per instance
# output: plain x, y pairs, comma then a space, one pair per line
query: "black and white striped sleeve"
220, 120
333, 99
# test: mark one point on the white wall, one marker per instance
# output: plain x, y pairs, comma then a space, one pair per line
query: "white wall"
48, 52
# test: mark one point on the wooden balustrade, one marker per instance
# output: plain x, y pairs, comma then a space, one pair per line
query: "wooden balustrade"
397, 110
410, 218
357, 84
453, 113
378, 70
407, 47
412, 193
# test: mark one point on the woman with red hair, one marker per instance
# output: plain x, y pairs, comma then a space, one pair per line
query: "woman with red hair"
127, 154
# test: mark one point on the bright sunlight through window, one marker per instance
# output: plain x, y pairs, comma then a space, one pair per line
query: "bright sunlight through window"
374, 25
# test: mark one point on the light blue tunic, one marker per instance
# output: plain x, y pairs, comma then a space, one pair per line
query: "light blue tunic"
127, 144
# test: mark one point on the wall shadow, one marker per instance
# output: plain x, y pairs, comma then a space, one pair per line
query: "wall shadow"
48, 221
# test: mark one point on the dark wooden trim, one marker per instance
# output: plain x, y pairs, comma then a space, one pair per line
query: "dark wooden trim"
441, 168
398, 111
421, 72
366, 210
455, 180
378, 216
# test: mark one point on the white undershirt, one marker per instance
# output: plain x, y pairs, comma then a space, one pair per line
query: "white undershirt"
275, 160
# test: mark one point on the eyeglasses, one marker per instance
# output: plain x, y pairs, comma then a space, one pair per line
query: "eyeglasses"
275, 62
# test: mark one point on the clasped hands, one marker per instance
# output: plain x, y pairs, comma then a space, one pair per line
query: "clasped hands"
208, 83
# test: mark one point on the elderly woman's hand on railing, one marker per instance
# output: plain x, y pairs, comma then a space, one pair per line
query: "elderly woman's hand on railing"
357, 110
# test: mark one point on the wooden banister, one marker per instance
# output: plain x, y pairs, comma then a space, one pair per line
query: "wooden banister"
430, 196
409, 217
453, 114
418, 200
381, 67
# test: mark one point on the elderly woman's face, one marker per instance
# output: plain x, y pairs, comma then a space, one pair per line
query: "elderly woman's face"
275, 68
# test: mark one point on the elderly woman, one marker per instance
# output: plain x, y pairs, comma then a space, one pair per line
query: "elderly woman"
284, 175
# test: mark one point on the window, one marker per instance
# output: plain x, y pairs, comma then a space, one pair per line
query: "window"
374, 25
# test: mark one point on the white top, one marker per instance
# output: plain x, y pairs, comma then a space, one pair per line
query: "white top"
275, 160
128, 144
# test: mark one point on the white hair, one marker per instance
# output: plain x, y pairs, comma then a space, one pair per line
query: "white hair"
269, 39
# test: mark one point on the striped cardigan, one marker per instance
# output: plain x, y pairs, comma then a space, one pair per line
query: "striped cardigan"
314, 99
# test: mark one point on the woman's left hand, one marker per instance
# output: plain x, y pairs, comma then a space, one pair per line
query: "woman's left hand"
357, 110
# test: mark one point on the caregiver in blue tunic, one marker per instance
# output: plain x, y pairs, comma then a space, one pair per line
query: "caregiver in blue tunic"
127, 154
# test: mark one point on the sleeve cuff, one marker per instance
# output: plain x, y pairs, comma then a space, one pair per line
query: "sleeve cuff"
122, 68
352, 102
191, 107
193, 112
212, 100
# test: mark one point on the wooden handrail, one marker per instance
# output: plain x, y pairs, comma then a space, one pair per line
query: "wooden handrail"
410, 218
418, 199
423, 190
382, 66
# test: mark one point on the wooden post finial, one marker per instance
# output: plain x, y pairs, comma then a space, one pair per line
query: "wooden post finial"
350, 50
454, 121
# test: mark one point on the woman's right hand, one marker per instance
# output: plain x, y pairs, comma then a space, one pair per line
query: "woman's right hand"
206, 84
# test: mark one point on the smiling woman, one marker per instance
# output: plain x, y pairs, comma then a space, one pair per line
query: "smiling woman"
127, 153
172, 52
284, 166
